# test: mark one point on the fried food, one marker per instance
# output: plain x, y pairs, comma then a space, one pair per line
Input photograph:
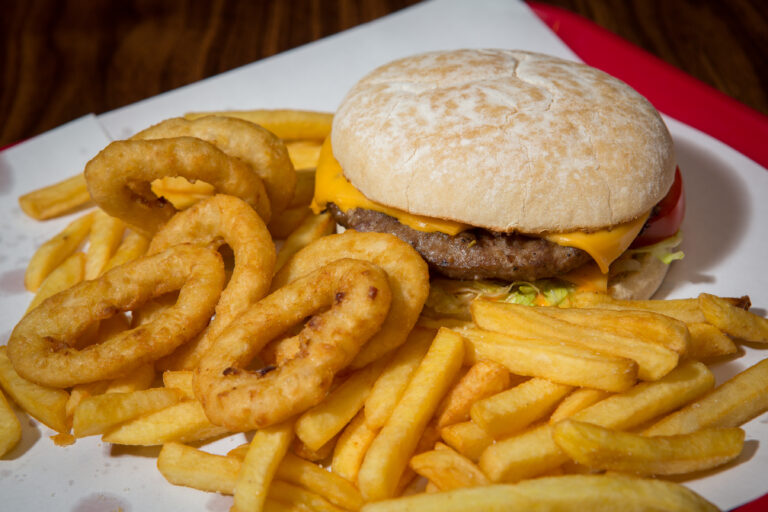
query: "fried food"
66, 275
286, 124
484, 378
358, 296
104, 238
10, 427
40, 346
57, 199
351, 447
448, 469
214, 222
407, 272
311, 228
133, 246
259, 148
120, 176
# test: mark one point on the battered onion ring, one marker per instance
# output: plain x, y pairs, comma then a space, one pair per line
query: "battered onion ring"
40, 346
119, 178
408, 279
251, 143
212, 222
358, 296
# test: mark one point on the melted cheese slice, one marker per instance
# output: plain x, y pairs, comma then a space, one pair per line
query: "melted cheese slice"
332, 187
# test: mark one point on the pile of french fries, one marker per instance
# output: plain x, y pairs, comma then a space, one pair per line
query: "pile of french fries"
520, 406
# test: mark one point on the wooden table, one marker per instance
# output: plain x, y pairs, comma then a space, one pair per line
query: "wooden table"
65, 58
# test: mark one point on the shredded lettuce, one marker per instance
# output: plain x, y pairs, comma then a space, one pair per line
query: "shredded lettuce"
663, 250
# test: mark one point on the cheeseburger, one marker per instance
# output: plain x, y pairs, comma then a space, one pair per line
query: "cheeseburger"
514, 174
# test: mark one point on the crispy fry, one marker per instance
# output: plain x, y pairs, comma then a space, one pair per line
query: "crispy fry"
288, 221
579, 399
330, 486
97, 414
49, 255
181, 380
80, 392
266, 450
66, 275
286, 124
183, 422
139, 379
653, 360
391, 384
321, 423
134, 245
484, 378
298, 497
47, 405
708, 343
188, 466
10, 427
570, 493
467, 438
534, 452
729, 405
388, 455
447, 469
733, 320
565, 364
106, 234
310, 229
685, 310
307, 453
304, 155
514, 409
57, 199
351, 447
601, 448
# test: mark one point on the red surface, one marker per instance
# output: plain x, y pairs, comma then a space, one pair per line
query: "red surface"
670, 90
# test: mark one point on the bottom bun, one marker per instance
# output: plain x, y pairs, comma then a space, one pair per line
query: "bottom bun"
640, 284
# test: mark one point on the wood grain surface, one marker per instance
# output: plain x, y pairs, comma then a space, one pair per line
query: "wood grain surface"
61, 59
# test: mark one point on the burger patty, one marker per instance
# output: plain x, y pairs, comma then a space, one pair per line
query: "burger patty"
475, 253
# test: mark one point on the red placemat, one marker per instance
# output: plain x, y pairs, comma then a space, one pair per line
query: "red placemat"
670, 90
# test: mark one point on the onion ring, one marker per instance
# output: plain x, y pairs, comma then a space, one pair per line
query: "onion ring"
251, 143
212, 222
120, 176
358, 296
408, 279
41, 345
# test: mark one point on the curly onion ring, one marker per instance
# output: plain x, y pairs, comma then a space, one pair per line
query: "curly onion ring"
358, 296
119, 178
251, 143
408, 278
212, 222
41, 346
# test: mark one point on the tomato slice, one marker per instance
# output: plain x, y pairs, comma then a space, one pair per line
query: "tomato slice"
667, 216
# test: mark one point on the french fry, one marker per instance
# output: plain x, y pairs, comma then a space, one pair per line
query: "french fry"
606, 449
286, 222
106, 234
57, 199
321, 454
389, 453
183, 422
266, 450
133, 246
514, 409
708, 343
50, 255
644, 325
484, 378
80, 392
10, 427
47, 405
139, 379
330, 486
286, 124
190, 467
299, 497
66, 275
97, 414
733, 320
576, 401
322, 422
653, 360
310, 229
181, 380
569, 493
304, 155
731, 404
534, 452
391, 384
467, 438
351, 447
565, 364
447, 469
685, 310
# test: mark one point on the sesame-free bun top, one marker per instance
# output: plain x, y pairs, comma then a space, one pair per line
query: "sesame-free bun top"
505, 140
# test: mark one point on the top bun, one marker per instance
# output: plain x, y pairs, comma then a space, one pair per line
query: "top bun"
505, 140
